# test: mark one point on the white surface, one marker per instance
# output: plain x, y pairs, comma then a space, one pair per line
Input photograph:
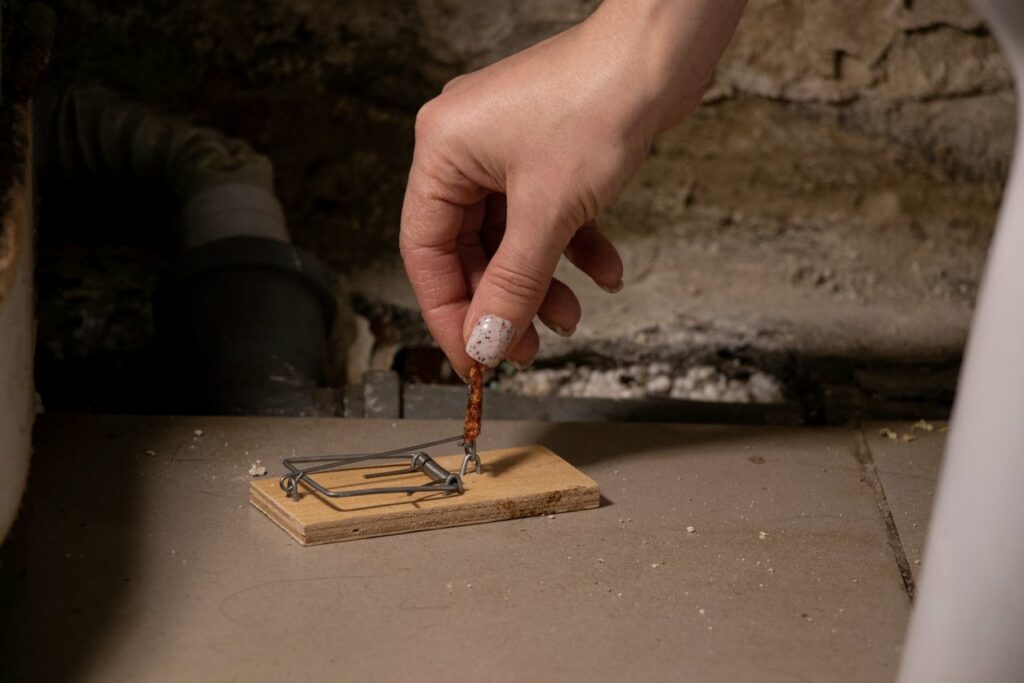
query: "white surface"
969, 618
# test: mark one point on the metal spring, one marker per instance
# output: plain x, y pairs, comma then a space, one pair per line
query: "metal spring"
430, 467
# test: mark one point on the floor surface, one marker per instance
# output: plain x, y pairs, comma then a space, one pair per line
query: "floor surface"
137, 557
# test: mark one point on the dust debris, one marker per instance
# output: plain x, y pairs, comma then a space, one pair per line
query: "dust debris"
888, 433
654, 380
690, 530
917, 561
701, 611
756, 459
907, 438
551, 516
601, 560
655, 565
762, 535
923, 425
943, 429
198, 432
257, 469
151, 452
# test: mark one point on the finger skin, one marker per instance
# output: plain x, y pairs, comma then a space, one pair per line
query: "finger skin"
522, 354
429, 242
560, 311
595, 255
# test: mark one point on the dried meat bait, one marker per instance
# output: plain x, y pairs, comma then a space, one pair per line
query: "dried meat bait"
474, 414
474, 409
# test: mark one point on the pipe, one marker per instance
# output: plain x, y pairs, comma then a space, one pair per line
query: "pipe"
968, 623
242, 317
225, 188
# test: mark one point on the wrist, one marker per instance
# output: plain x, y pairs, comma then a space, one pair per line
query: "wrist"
666, 49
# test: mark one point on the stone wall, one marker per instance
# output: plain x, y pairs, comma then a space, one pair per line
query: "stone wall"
834, 195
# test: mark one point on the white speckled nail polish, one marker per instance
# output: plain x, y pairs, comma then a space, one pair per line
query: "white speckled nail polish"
490, 339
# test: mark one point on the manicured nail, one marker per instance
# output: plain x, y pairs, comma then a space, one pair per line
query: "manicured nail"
490, 339
613, 290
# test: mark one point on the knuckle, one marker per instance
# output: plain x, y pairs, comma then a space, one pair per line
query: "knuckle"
517, 285
451, 83
428, 119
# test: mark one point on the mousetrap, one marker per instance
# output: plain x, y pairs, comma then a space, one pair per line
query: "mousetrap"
323, 499
304, 472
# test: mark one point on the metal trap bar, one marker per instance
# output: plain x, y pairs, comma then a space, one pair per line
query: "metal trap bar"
441, 480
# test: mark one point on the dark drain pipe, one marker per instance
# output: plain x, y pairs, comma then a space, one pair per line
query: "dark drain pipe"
243, 316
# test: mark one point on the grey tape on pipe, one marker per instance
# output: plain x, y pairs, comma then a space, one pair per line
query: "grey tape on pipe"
232, 210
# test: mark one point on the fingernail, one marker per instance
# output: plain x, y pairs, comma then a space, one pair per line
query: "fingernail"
613, 290
557, 329
490, 339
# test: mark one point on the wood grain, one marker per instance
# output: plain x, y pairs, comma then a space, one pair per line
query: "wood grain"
516, 482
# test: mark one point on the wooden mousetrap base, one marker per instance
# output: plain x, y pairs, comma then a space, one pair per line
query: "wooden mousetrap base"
516, 482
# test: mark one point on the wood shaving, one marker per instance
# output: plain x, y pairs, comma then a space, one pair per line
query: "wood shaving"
923, 425
888, 433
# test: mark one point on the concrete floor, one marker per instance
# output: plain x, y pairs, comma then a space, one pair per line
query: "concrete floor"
127, 565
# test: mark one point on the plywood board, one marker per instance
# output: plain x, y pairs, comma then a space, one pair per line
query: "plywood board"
516, 482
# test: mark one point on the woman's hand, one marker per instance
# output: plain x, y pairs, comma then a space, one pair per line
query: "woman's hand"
514, 162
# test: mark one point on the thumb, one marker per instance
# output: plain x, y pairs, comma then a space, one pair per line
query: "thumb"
517, 278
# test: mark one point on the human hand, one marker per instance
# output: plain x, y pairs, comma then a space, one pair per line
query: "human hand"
514, 162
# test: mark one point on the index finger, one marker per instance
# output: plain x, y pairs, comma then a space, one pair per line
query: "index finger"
434, 214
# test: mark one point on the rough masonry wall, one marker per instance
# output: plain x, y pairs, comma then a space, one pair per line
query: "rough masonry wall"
834, 196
